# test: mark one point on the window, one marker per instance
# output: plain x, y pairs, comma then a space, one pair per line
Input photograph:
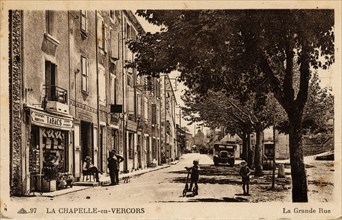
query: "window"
105, 38
102, 30
114, 45
50, 80
114, 90
49, 20
84, 23
154, 114
102, 86
145, 108
130, 80
113, 82
99, 32
84, 67
112, 68
112, 14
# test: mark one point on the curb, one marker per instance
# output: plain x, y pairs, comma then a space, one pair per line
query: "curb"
122, 176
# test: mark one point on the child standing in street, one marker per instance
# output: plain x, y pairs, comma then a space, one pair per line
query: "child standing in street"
194, 176
244, 173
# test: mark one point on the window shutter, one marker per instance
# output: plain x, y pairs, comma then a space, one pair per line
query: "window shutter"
114, 44
99, 32
154, 114
105, 36
84, 21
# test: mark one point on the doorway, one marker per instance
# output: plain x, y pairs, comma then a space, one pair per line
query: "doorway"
86, 140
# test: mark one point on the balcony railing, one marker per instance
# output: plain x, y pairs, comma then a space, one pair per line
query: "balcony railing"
55, 93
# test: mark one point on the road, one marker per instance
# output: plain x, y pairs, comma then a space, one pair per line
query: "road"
160, 191
166, 185
217, 184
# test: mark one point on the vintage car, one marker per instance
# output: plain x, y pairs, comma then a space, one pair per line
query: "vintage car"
224, 153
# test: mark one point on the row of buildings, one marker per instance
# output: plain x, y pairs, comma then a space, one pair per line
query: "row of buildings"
71, 96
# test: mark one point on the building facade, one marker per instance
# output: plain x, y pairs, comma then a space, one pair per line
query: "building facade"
72, 96
168, 118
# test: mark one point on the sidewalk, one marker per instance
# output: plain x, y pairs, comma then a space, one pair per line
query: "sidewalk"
104, 180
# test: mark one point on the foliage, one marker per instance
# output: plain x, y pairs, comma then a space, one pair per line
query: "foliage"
244, 52
318, 109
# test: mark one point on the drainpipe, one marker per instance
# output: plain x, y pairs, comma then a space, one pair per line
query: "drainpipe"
97, 84
123, 96
159, 122
165, 144
70, 71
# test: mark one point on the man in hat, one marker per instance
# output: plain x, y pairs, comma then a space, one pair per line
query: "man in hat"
113, 165
244, 173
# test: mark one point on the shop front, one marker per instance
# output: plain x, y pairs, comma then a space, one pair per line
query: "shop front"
50, 154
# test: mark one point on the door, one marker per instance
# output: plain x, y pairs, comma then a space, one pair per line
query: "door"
50, 80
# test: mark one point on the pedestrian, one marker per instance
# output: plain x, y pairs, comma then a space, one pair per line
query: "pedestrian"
115, 166
112, 166
88, 167
194, 176
244, 173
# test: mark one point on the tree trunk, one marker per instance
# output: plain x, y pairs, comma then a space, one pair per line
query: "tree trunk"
258, 153
298, 173
251, 153
245, 146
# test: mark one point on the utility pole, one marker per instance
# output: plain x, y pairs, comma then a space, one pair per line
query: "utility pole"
274, 145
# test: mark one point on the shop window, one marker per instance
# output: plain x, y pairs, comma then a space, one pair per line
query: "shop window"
54, 143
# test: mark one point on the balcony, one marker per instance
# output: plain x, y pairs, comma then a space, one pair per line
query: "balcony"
55, 99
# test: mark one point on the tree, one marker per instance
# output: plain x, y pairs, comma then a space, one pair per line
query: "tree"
238, 50
318, 109
216, 109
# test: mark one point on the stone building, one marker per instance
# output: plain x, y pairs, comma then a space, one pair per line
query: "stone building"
168, 117
71, 95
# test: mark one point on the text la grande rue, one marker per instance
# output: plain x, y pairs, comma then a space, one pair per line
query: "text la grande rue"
307, 211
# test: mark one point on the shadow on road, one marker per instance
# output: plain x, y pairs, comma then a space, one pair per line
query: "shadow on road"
205, 180
224, 199
212, 170
210, 174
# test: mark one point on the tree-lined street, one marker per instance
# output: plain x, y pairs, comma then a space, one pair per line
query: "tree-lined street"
217, 184
99, 94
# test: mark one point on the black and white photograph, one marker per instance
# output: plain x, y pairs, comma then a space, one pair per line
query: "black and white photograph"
170, 110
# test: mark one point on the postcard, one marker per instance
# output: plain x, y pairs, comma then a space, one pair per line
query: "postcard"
170, 109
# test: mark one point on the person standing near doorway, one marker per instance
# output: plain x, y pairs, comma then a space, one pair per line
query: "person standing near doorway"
112, 166
114, 161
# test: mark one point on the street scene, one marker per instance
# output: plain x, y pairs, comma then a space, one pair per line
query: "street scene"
136, 109
216, 184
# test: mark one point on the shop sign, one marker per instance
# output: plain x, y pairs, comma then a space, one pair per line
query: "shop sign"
48, 120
